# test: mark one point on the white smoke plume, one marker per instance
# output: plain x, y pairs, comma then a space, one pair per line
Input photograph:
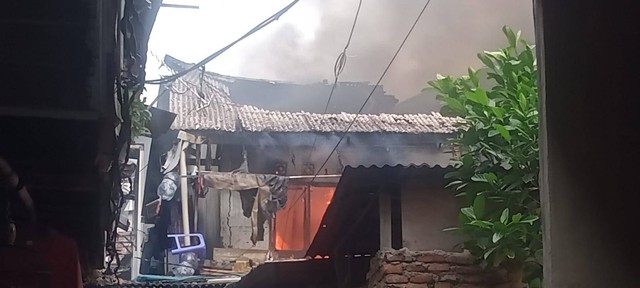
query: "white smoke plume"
445, 41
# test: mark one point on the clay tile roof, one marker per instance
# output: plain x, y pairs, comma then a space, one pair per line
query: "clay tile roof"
203, 103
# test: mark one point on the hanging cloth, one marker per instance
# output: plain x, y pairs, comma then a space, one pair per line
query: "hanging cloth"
261, 195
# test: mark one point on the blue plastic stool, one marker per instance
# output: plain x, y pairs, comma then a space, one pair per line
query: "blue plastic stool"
192, 248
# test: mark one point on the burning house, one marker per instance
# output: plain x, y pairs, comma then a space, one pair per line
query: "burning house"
298, 143
226, 136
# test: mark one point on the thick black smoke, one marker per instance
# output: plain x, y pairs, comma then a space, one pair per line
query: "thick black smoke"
446, 41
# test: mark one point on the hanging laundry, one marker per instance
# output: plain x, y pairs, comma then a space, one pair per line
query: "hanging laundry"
261, 195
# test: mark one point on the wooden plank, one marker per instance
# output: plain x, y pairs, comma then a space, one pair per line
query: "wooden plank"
231, 254
385, 221
208, 156
197, 194
307, 216
396, 219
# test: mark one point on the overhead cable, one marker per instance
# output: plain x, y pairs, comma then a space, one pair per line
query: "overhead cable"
372, 91
368, 97
341, 61
262, 24
338, 67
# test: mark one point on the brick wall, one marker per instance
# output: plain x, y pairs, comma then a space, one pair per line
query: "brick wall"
433, 269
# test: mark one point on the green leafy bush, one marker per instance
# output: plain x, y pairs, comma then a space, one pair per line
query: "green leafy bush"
140, 117
497, 169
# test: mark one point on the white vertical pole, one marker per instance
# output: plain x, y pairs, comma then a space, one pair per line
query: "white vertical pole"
142, 178
184, 192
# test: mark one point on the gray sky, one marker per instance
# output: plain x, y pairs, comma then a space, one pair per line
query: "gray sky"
303, 45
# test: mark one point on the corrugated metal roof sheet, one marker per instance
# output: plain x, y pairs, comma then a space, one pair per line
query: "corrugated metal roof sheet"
166, 285
354, 193
202, 102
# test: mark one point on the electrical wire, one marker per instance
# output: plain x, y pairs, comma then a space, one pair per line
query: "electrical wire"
338, 67
341, 61
395, 55
257, 28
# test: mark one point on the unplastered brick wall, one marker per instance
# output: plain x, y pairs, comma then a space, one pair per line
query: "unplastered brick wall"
435, 269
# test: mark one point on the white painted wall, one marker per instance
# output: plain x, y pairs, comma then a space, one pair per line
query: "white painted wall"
425, 213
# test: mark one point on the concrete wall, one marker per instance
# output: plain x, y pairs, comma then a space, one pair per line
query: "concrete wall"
588, 57
426, 211
235, 229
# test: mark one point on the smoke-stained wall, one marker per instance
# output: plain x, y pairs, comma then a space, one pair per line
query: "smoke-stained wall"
305, 158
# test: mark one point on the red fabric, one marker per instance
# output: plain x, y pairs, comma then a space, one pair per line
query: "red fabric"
61, 254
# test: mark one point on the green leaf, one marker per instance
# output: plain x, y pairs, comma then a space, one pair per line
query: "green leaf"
503, 131
482, 242
514, 122
429, 89
489, 252
511, 254
468, 211
462, 219
530, 219
522, 101
454, 104
491, 177
479, 96
506, 165
499, 79
451, 174
516, 218
481, 223
467, 160
498, 258
505, 216
527, 178
479, 205
496, 237
473, 76
461, 186
530, 90
479, 178
486, 61
496, 54
499, 112
453, 183
510, 36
